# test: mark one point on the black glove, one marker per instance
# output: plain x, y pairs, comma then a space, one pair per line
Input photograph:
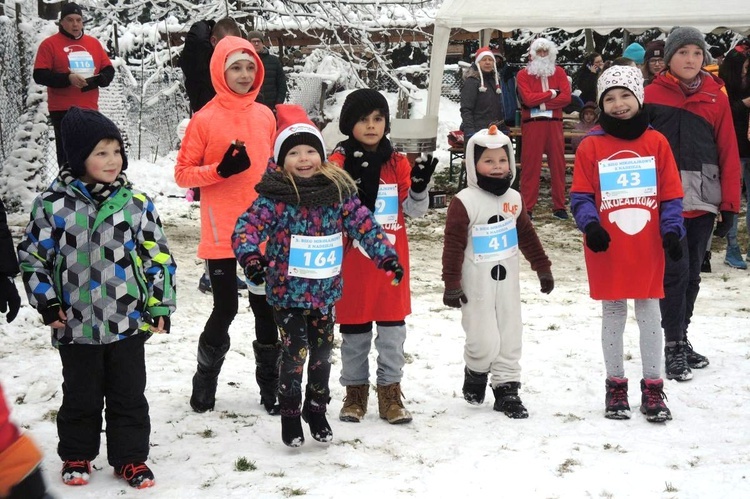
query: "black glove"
547, 282
454, 297
392, 267
422, 172
255, 270
51, 314
722, 228
232, 163
671, 244
597, 239
9, 299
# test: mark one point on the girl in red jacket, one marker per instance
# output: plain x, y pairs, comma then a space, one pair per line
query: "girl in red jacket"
626, 198
390, 188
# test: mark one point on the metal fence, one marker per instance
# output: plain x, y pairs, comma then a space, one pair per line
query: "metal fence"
147, 105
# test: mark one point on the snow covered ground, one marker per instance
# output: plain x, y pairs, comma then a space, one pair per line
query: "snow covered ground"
566, 449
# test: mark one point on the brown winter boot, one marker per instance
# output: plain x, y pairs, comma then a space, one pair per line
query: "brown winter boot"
355, 403
390, 404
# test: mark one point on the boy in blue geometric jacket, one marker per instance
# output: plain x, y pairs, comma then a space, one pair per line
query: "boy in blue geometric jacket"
96, 265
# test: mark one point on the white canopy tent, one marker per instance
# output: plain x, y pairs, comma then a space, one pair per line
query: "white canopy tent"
603, 16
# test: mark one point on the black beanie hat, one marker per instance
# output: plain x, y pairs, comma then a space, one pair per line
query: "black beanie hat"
70, 8
81, 131
359, 104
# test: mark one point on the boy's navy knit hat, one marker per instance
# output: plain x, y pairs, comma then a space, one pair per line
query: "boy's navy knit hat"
81, 131
685, 35
359, 104
70, 8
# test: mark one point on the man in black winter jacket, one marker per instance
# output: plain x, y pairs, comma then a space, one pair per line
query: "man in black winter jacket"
274, 88
196, 58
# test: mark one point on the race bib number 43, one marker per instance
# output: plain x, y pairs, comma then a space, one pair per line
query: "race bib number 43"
316, 257
494, 242
627, 178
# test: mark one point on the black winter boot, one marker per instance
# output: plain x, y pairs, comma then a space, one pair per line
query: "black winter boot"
210, 360
291, 426
508, 402
616, 400
267, 359
675, 361
314, 414
475, 385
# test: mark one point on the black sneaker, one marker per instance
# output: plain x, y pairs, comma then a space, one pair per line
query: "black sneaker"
76, 472
675, 361
560, 214
694, 359
652, 401
508, 402
616, 401
475, 386
138, 475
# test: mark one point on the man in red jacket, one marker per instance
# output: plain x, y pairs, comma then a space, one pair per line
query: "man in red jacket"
544, 91
72, 66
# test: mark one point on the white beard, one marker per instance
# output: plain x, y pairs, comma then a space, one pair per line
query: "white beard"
542, 66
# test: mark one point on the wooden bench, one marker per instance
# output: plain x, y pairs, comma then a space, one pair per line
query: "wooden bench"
459, 154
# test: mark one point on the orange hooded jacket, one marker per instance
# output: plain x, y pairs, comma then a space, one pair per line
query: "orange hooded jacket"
227, 117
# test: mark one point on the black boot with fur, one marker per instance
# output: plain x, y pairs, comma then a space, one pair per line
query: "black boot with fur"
291, 425
508, 402
314, 414
475, 386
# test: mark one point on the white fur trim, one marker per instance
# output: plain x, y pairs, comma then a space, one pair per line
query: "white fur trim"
290, 130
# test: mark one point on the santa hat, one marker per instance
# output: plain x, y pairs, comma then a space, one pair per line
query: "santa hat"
237, 55
81, 130
628, 77
481, 54
295, 129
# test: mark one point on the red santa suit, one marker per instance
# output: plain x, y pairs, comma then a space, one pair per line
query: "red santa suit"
542, 99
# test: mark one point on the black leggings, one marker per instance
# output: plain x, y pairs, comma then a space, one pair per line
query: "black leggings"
223, 275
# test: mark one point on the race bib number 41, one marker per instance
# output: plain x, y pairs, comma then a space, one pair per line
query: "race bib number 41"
494, 242
316, 257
